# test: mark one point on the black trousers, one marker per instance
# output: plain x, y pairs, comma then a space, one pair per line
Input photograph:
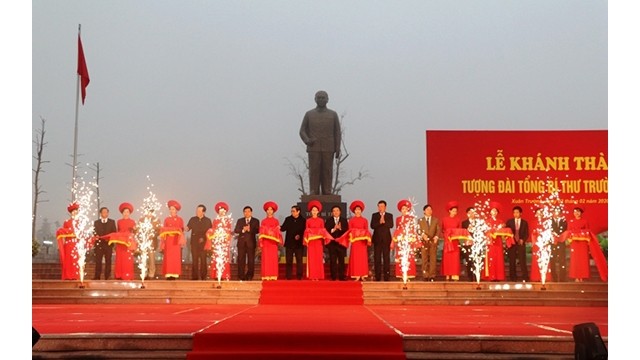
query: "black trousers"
290, 252
337, 253
246, 258
382, 260
102, 250
518, 252
198, 260
559, 262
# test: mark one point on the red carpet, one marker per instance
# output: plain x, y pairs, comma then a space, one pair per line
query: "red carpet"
299, 332
56, 319
311, 320
305, 292
301, 320
129, 318
490, 320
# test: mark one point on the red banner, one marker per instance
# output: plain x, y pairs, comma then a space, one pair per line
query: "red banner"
517, 168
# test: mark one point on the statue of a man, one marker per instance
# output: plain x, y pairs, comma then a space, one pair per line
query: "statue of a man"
320, 131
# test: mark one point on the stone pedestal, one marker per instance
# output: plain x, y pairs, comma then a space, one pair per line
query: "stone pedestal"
327, 201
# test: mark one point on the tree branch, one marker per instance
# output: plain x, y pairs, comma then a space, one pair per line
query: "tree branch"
299, 175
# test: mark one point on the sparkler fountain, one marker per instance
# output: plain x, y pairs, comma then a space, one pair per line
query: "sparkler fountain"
146, 231
220, 237
543, 238
406, 238
82, 223
478, 228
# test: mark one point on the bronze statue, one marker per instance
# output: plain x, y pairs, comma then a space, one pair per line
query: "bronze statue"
320, 131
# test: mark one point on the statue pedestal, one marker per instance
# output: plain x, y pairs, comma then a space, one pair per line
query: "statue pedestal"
327, 201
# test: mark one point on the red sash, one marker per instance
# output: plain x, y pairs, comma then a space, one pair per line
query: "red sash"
270, 233
166, 231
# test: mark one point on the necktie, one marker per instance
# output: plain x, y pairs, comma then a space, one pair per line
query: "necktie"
104, 221
517, 229
336, 220
428, 222
247, 221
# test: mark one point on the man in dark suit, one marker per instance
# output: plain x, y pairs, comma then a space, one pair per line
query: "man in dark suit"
466, 246
102, 227
559, 249
381, 223
294, 226
430, 232
247, 228
199, 225
336, 225
518, 251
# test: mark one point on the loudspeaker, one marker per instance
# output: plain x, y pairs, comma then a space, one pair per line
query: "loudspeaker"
589, 343
35, 336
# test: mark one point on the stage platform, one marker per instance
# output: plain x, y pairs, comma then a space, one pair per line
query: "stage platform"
433, 320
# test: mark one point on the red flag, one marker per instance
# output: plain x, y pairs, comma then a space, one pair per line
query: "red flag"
82, 70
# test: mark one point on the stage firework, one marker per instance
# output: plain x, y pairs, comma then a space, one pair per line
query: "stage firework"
406, 238
82, 223
543, 238
147, 230
478, 228
220, 237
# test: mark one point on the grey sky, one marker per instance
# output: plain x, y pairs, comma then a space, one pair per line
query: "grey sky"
206, 98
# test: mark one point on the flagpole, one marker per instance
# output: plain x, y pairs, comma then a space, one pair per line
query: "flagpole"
75, 136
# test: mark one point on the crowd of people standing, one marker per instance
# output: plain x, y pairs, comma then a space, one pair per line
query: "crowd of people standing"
349, 242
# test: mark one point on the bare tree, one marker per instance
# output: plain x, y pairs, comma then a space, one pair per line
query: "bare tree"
301, 172
39, 144
338, 183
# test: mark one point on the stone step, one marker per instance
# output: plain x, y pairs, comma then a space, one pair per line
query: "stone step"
176, 346
484, 293
149, 284
486, 347
485, 302
248, 292
213, 293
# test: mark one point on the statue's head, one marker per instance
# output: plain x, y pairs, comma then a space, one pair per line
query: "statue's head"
321, 98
